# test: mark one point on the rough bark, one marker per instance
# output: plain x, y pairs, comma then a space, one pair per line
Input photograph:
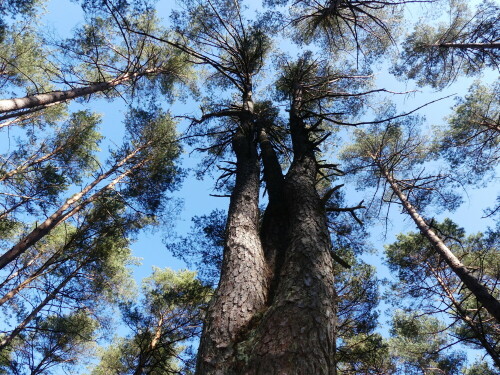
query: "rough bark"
243, 286
274, 228
296, 334
490, 303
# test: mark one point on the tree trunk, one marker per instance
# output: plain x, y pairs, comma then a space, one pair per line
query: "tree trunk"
243, 286
8, 339
468, 45
278, 318
296, 333
45, 99
274, 228
146, 354
464, 315
490, 303
53, 259
73, 205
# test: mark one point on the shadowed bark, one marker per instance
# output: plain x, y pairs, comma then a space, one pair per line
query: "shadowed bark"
243, 286
296, 334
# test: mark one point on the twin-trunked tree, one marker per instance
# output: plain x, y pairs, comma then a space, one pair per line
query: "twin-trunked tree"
275, 309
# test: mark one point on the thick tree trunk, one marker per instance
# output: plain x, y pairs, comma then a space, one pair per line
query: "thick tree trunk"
284, 321
243, 286
274, 228
490, 303
296, 334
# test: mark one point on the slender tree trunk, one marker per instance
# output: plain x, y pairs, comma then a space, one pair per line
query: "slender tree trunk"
462, 313
18, 271
243, 286
143, 358
73, 205
8, 339
468, 45
490, 303
29, 163
40, 271
41, 100
6, 213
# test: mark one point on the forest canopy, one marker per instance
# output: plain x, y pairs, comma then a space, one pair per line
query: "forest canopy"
345, 211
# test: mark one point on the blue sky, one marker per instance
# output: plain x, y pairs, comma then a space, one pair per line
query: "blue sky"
63, 15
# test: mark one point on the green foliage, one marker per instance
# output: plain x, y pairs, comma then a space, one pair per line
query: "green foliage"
399, 152
346, 26
220, 36
88, 256
15, 8
472, 140
24, 63
429, 58
159, 174
418, 346
424, 281
39, 170
326, 93
359, 348
57, 340
168, 314
203, 245
480, 368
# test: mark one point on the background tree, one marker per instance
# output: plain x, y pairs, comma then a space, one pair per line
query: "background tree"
469, 43
77, 259
55, 341
390, 157
419, 345
294, 295
427, 283
169, 314
471, 140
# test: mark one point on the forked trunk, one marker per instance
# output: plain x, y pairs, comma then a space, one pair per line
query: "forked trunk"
243, 286
274, 228
296, 334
